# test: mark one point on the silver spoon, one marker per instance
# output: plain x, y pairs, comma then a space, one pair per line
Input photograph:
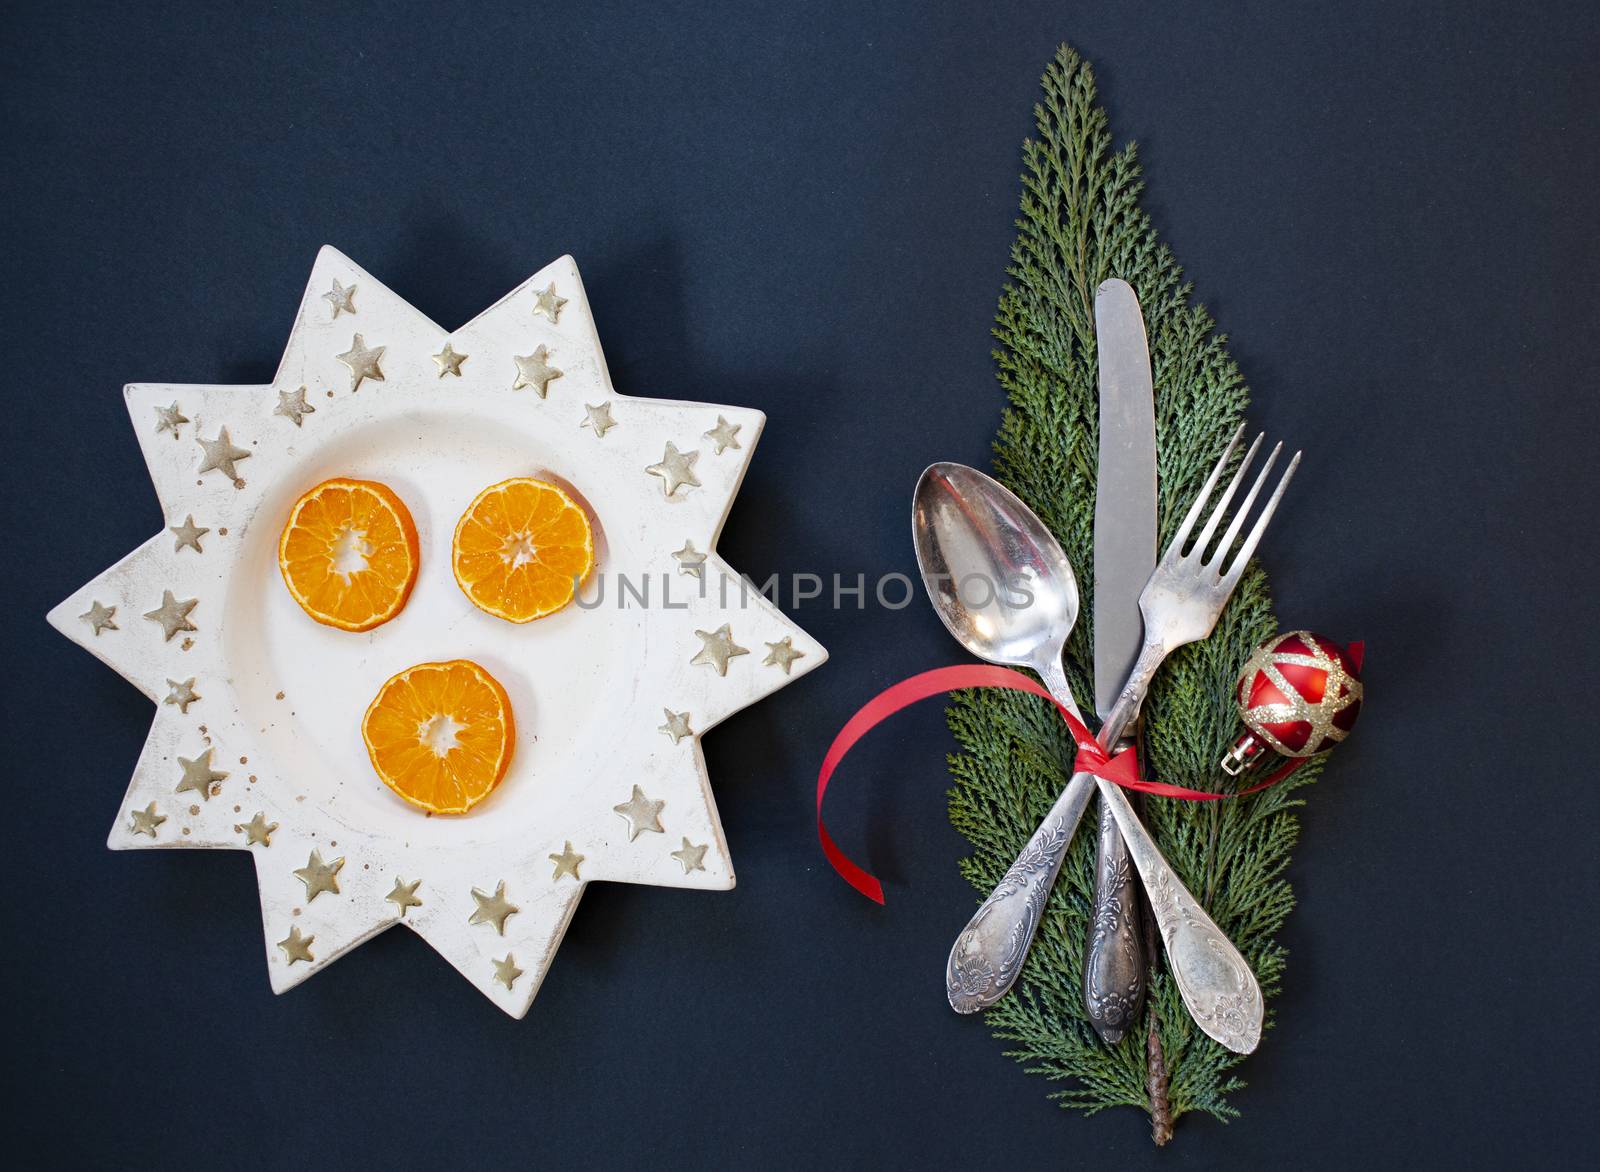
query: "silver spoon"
1003, 586
971, 531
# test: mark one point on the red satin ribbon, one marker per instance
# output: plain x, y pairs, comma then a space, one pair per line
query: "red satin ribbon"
1122, 768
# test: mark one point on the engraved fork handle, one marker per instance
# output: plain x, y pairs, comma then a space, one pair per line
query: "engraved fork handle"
987, 957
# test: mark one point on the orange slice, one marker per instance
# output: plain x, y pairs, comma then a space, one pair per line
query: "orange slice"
441, 735
349, 553
521, 548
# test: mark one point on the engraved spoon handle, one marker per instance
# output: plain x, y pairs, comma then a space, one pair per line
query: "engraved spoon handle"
1215, 982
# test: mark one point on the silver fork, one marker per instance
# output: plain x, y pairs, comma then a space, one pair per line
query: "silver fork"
1181, 604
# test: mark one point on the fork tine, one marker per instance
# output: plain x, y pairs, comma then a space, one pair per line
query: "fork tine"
1243, 510
1221, 510
1181, 537
1249, 546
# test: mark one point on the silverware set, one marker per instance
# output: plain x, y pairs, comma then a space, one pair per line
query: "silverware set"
969, 528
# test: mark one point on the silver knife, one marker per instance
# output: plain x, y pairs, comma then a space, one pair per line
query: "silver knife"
1124, 556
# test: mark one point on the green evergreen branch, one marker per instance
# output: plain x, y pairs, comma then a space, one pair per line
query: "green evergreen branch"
1081, 223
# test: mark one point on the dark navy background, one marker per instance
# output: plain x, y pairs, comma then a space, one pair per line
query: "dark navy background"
1391, 208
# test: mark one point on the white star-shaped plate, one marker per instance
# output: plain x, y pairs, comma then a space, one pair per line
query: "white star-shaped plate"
281, 698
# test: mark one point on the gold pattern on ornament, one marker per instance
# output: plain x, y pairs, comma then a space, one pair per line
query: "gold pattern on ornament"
404, 895
362, 362
782, 654
642, 814
257, 831
691, 561
341, 297
146, 821
506, 971
718, 647
172, 615
198, 776
170, 419
534, 370
449, 361
222, 456
567, 863
319, 876
546, 302
182, 694
1339, 691
598, 417
692, 857
188, 535
677, 726
724, 435
493, 909
297, 947
675, 470
292, 406
100, 617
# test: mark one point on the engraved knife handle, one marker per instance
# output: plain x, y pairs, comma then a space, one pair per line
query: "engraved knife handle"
1214, 980
988, 954
1113, 960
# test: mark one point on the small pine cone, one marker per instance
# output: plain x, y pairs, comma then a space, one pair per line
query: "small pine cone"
1156, 1085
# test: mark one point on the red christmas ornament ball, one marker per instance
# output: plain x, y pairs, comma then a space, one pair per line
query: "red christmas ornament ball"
1299, 694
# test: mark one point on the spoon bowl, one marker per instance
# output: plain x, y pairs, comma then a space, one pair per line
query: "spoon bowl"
999, 579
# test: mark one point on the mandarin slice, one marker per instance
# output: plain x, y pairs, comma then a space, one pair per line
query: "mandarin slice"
521, 549
349, 553
441, 735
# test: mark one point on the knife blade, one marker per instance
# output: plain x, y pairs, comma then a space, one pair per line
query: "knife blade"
1124, 556
1125, 495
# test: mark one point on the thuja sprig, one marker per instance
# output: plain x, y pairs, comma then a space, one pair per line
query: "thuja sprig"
1080, 223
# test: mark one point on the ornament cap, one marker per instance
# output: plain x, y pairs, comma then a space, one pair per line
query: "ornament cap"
1244, 755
